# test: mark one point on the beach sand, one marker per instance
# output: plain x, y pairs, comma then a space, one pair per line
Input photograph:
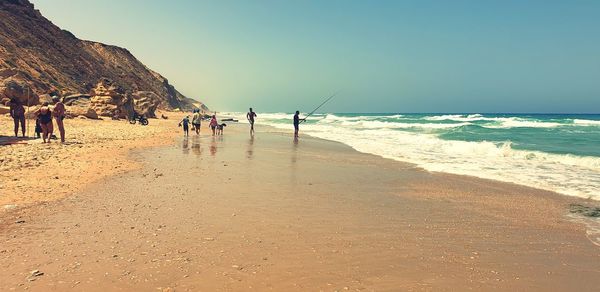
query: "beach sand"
33, 172
235, 213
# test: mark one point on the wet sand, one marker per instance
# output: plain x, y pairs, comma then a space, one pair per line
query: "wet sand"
234, 213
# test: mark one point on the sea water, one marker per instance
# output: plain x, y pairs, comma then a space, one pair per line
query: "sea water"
559, 153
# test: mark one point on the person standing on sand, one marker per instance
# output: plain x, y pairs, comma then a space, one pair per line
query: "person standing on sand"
297, 121
196, 120
250, 116
17, 112
59, 116
45, 116
213, 124
186, 125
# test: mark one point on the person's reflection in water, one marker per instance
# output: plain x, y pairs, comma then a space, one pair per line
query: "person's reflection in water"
185, 145
196, 146
213, 146
293, 164
295, 150
250, 150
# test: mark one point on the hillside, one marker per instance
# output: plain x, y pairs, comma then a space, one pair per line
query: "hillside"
39, 57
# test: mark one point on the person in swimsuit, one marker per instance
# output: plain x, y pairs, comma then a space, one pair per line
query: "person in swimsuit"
213, 124
250, 116
297, 121
45, 115
59, 116
17, 112
186, 125
196, 120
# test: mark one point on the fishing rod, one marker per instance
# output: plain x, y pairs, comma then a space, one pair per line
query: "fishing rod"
27, 116
322, 104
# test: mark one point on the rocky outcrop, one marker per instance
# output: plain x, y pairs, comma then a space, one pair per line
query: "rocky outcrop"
108, 99
79, 105
145, 103
38, 57
13, 88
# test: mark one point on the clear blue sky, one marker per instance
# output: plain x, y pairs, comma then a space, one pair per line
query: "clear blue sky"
384, 56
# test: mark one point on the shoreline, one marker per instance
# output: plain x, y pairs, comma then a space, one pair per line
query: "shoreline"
267, 213
472, 145
120, 162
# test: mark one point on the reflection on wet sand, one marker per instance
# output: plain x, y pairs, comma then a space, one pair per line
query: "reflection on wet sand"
250, 148
295, 150
185, 146
213, 146
293, 164
196, 149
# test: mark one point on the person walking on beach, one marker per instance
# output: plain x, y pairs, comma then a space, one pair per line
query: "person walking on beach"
250, 116
196, 120
213, 124
59, 116
17, 112
186, 125
297, 121
45, 116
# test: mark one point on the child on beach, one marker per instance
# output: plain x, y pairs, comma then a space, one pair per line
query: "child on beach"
213, 124
38, 128
185, 122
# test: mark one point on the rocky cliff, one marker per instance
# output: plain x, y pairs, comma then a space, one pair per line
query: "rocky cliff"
38, 60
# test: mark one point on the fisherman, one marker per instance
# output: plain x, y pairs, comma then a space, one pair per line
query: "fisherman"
196, 120
185, 123
250, 116
17, 112
297, 121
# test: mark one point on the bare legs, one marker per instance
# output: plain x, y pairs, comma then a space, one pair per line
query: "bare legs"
47, 130
61, 129
19, 120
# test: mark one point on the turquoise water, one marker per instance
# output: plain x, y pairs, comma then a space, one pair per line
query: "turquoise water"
561, 134
554, 152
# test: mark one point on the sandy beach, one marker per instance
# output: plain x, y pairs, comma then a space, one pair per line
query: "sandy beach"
264, 213
33, 172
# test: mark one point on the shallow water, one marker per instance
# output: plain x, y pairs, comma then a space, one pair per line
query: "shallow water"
559, 153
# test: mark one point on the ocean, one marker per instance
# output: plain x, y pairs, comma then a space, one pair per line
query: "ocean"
554, 152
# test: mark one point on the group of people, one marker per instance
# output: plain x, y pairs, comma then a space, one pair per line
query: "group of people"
44, 119
217, 129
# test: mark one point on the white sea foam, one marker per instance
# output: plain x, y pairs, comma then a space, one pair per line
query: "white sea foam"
521, 123
397, 125
586, 122
497, 122
567, 174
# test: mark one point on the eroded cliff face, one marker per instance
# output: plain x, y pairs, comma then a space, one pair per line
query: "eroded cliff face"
38, 59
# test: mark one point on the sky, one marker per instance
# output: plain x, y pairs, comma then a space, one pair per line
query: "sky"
398, 56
